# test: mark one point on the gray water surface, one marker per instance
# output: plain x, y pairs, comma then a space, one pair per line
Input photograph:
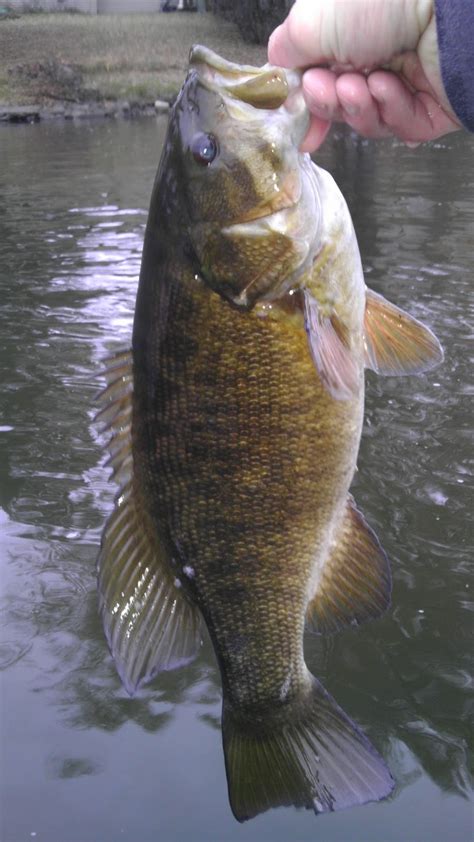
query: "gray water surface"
80, 761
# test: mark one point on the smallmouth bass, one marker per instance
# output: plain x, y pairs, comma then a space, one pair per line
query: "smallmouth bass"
236, 421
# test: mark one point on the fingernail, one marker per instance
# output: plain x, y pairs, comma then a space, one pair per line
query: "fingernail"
316, 106
350, 108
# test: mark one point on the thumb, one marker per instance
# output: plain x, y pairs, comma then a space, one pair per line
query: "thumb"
297, 42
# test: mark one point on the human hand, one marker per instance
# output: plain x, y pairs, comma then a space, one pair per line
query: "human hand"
372, 64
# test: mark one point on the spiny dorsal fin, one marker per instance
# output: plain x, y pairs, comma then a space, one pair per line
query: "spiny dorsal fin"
355, 583
333, 358
395, 342
149, 624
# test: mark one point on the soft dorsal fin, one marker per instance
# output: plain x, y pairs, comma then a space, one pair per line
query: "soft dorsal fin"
149, 623
395, 342
355, 583
333, 358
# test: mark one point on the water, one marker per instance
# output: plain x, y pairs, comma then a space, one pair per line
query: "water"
81, 762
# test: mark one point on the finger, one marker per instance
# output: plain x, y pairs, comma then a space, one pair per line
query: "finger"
411, 116
398, 107
319, 89
296, 43
358, 108
316, 134
281, 49
278, 52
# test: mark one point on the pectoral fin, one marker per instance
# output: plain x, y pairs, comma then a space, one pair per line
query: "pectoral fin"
395, 342
355, 584
149, 624
330, 350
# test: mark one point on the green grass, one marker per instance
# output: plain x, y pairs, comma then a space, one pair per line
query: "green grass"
141, 57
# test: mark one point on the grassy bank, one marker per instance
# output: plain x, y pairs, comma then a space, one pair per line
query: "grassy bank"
80, 58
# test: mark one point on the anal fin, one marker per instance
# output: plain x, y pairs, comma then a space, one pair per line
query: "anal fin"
355, 583
150, 625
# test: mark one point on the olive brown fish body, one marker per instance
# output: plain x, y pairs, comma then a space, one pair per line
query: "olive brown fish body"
258, 459
236, 423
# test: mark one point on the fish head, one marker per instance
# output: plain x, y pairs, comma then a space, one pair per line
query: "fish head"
250, 214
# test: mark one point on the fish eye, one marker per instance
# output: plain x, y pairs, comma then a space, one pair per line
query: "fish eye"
204, 148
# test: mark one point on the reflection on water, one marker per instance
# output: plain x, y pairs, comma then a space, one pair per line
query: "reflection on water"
92, 763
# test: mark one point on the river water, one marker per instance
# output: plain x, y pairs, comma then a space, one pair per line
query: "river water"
80, 761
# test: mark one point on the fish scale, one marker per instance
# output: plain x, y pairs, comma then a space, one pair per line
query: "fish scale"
260, 487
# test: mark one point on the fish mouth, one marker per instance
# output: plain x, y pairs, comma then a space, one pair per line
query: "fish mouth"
203, 55
262, 87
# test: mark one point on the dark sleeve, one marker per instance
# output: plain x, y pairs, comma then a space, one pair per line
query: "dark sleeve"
455, 30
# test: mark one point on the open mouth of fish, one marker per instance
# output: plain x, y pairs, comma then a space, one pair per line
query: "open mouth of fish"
266, 87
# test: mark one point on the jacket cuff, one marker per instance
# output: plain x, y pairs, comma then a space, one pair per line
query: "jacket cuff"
455, 32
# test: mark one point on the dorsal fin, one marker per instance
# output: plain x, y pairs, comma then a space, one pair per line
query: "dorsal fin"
149, 623
395, 342
355, 583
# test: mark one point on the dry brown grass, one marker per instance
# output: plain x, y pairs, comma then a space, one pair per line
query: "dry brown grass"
139, 57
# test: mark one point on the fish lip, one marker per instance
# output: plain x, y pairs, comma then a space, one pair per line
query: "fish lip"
263, 211
200, 55
203, 55
264, 87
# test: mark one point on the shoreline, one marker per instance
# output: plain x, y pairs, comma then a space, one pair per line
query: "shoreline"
69, 66
63, 110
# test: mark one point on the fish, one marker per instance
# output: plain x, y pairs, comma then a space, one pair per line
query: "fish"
235, 421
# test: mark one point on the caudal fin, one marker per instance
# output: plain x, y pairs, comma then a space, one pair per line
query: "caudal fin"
311, 756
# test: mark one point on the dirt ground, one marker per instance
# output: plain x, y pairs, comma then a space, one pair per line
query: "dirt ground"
75, 58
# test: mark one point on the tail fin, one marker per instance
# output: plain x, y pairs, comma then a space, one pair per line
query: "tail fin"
310, 756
